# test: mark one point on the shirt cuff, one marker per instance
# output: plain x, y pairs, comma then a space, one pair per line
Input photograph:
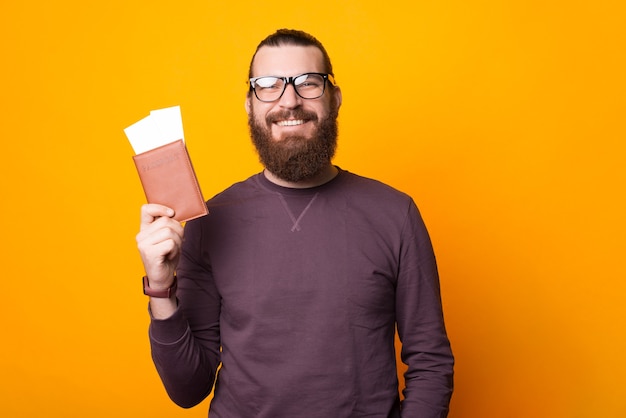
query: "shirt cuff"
170, 330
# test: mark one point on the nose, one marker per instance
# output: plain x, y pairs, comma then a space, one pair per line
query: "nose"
290, 98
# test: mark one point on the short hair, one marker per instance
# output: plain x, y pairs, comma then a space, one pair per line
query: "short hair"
293, 37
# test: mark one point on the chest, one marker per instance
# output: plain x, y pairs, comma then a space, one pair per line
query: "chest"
306, 258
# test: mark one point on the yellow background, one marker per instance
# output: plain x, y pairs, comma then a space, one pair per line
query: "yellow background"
503, 119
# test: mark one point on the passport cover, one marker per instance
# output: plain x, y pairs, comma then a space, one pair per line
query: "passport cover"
168, 178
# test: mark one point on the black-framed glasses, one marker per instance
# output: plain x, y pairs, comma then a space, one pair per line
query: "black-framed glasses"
307, 86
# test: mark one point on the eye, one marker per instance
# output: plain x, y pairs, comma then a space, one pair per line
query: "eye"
309, 81
268, 83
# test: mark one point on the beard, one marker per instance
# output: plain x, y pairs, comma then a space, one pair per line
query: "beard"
295, 157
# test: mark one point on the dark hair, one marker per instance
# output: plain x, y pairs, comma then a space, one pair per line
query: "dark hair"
293, 37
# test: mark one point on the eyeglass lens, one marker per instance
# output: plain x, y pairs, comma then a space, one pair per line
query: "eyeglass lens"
308, 86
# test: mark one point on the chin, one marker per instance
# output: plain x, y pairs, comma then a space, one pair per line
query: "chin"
291, 141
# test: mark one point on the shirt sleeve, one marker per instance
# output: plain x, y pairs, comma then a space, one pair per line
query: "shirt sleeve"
425, 345
186, 346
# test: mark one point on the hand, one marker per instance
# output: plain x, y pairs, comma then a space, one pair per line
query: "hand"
159, 241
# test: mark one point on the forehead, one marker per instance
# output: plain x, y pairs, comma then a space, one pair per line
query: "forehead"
287, 60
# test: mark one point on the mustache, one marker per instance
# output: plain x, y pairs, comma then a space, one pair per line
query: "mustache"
291, 114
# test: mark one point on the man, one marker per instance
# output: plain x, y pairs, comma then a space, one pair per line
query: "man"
294, 284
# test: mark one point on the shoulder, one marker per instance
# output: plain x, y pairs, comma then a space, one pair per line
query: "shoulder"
375, 202
361, 187
236, 192
234, 201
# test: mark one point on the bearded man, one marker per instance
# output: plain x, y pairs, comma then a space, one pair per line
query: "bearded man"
289, 293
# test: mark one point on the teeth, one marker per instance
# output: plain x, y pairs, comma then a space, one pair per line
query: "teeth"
290, 122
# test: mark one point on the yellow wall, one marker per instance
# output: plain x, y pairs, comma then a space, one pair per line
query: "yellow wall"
504, 119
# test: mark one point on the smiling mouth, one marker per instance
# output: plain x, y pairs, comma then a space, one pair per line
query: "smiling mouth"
294, 122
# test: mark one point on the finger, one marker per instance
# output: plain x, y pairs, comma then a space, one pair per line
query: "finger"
166, 250
161, 222
152, 211
162, 229
160, 256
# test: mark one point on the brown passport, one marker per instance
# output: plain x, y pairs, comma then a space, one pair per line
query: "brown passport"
168, 178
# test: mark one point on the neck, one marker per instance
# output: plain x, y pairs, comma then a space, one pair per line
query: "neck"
324, 176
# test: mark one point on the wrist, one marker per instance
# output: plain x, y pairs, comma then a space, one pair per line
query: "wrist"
159, 291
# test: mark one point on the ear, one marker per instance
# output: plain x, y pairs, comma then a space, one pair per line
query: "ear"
337, 93
248, 104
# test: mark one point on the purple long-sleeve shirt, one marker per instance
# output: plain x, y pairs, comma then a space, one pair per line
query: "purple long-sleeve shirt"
296, 294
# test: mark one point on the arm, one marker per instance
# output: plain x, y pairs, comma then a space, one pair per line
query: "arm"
159, 240
425, 345
185, 346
